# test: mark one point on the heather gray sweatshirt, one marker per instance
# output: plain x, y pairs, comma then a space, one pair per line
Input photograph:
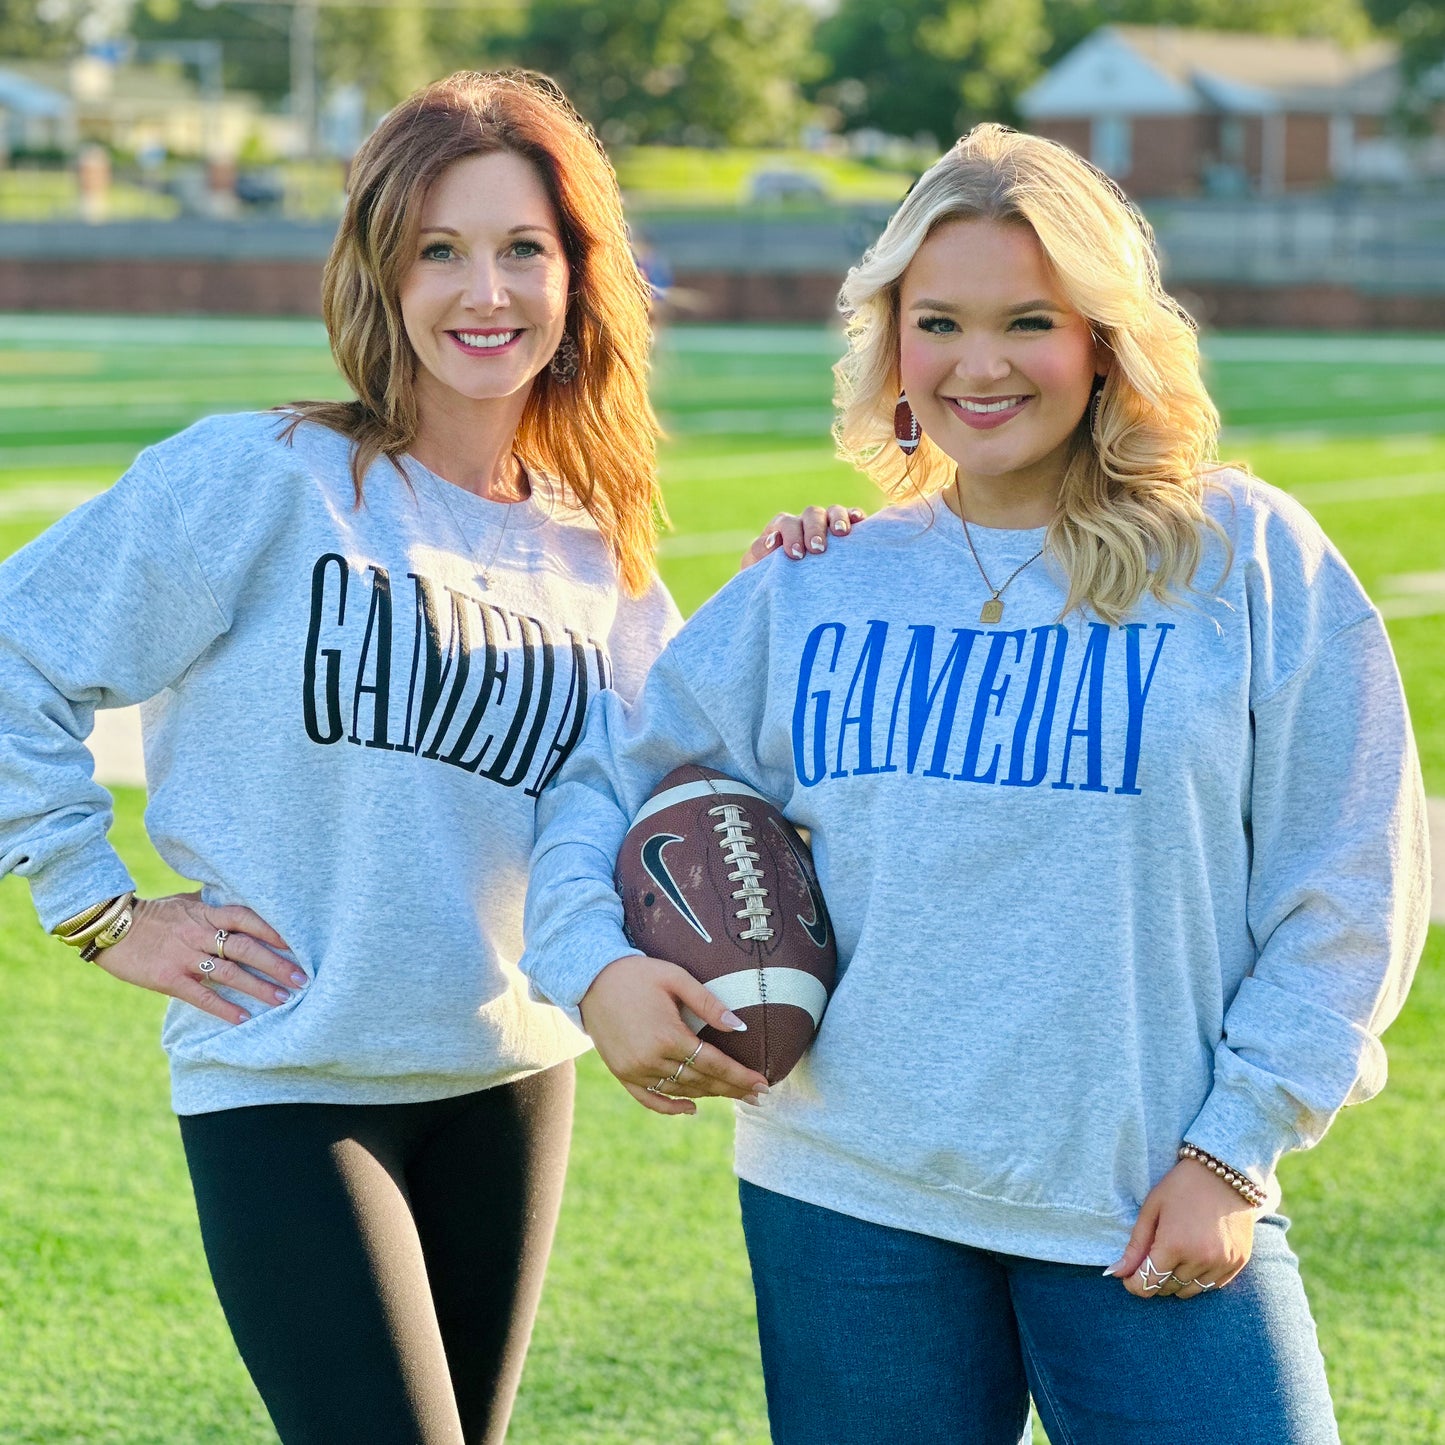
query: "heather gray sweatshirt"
1097, 889
348, 716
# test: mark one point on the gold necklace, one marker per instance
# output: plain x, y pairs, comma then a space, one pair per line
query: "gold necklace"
993, 608
484, 577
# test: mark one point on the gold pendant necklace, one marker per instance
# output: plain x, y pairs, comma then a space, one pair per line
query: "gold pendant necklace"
484, 577
993, 608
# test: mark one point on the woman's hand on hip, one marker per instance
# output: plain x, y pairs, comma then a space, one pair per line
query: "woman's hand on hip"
798, 534
171, 938
633, 1011
1194, 1233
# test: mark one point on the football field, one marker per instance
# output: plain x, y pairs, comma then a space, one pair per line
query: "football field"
109, 1333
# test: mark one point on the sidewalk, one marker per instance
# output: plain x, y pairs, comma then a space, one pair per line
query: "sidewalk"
116, 745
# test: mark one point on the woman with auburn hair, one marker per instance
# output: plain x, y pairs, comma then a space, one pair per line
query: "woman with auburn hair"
365, 635
1114, 800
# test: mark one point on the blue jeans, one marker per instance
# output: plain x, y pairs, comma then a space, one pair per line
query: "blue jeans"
876, 1336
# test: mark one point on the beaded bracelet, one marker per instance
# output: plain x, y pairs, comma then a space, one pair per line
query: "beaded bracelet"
1246, 1188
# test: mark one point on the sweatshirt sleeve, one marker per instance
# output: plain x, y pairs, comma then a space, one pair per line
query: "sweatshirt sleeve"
701, 703
642, 627
105, 609
1337, 906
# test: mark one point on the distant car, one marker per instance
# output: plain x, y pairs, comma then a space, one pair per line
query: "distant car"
260, 188
784, 185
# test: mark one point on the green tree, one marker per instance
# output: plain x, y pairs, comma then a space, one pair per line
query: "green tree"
700, 72
388, 50
1069, 21
24, 35
912, 67
1419, 27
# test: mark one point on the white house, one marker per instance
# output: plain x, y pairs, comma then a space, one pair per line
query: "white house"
33, 116
1169, 111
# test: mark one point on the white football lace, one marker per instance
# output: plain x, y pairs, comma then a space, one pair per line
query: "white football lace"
737, 846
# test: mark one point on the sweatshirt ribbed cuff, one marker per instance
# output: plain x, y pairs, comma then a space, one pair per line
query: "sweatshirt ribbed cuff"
71, 882
562, 969
1238, 1131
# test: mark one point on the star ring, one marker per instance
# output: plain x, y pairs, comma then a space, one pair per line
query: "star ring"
1155, 1279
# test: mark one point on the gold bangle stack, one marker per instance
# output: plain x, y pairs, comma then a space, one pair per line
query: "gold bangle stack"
98, 927
1243, 1186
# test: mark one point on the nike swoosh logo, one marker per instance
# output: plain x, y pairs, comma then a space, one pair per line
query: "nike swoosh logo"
817, 925
656, 867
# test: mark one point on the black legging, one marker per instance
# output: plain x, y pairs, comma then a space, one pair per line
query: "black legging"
380, 1265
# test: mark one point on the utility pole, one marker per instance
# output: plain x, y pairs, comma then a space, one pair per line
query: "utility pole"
303, 72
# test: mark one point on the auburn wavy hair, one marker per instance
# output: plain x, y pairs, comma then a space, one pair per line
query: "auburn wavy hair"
596, 434
1131, 518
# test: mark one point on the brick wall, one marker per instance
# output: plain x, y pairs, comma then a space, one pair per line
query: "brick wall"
1168, 151
292, 288
1306, 151
1311, 308
1076, 134
166, 287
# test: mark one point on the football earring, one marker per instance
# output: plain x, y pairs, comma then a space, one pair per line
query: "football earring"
906, 431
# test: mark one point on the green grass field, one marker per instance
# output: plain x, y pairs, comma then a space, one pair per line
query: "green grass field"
109, 1333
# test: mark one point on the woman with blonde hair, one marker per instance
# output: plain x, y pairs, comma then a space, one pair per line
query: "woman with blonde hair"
365, 635
1115, 805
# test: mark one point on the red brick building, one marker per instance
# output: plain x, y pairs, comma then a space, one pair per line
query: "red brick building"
1175, 112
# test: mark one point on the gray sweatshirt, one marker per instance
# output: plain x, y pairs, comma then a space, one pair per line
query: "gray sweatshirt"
1097, 889
348, 716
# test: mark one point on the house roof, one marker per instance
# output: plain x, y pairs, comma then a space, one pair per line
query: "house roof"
23, 96
1154, 69
153, 85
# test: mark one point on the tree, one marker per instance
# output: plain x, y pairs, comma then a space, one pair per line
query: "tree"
386, 49
692, 71
1419, 27
30, 33
911, 67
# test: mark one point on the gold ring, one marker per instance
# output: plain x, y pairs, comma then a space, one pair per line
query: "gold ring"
657, 1088
693, 1055
221, 937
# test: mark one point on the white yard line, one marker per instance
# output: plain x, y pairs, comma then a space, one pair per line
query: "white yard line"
45, 499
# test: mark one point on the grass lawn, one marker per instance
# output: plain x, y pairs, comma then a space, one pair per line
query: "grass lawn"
109, 1332
669, 177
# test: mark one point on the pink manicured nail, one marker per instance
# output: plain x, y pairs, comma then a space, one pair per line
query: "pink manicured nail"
816, 544
281, 995
298, 979
732, 1021
795, 550
839, 528
772, 540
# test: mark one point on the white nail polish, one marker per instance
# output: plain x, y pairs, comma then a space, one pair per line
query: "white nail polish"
795, 551
816, 545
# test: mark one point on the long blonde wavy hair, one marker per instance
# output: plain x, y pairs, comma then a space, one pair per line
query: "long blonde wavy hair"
1130, 518
597, 433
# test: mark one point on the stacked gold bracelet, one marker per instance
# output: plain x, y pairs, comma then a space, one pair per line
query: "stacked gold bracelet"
1241, 1185
99, 927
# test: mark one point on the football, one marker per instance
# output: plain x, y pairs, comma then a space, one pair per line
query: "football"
714, 878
